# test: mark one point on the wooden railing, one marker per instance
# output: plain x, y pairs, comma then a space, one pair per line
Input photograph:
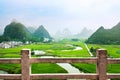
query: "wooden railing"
101, 62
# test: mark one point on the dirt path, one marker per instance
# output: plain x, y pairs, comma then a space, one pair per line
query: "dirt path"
68, 67
88, 49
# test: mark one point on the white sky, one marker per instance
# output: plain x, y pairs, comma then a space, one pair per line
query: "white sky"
60, 14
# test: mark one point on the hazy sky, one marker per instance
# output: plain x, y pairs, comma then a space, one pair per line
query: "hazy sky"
59, 14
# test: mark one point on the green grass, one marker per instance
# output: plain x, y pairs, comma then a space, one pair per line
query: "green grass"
91, 68
59, 49
86, 68
36, 68
47, 68
54, 49
11, 68
113, 50
71, 52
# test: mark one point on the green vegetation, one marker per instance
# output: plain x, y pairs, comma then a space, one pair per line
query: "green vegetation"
112, 50
16, 31
91, 68
41, 33
63, 48
47, 68
69, 52
106, 36
36, 68
11, 68
86, 68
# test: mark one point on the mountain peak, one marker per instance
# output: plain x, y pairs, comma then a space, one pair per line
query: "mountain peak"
14, 21
117, 26
85, 33
101, 27
42, 32
41, 26
106, 36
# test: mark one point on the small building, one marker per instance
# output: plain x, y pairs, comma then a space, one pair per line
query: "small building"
5, 45
10, 44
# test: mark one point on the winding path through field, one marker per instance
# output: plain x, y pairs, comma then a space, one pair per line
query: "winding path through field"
88, 49
67, 66
70, 69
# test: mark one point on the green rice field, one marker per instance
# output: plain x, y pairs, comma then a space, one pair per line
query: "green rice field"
59, 49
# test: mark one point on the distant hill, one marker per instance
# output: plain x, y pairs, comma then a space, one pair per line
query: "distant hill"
31, 29
106, 36
41, 32
1, 31
84, 34
64, 34
16, 31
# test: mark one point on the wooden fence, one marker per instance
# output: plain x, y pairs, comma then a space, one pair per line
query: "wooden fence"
101, 62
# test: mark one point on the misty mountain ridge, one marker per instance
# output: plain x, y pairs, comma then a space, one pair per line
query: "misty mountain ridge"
106, 36
66, 33
17, 31
84, 34
31, 29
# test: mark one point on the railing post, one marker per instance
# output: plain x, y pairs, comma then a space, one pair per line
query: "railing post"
25, 64
102, 64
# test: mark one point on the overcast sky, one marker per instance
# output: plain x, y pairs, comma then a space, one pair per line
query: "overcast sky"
60, 14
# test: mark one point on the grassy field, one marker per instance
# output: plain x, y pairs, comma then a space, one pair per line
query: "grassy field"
35, 68
56, 49
59, 49
91, 68
113, 52
47, 68
70, 52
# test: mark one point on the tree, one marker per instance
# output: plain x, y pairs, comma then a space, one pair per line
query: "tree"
92, 49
